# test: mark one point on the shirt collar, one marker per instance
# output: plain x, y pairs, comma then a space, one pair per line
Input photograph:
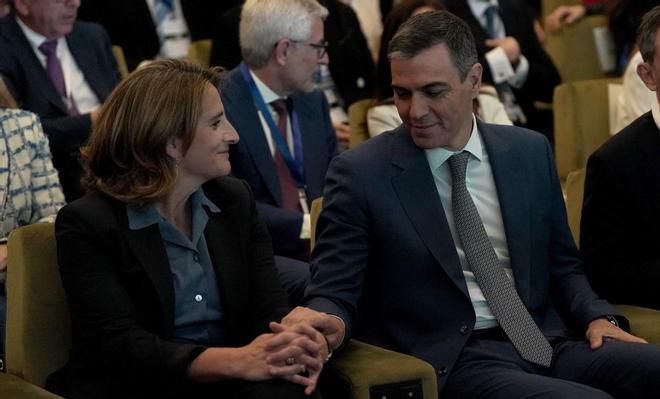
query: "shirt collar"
266, 93
438, 156
655, 111
143, 216
478, 7
35, 38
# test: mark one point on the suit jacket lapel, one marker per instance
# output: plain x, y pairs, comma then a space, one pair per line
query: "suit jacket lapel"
252, 133
511, 181
649, 171
310, 137
35, 72
85, 59
147, 245
414, 185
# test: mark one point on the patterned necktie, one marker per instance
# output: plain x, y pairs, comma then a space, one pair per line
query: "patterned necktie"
54, 70
288, 185
497, 287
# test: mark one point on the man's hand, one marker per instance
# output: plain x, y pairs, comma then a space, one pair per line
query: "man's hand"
564, 14
601, 330
332, 327
3, 257
343, 132
509, 45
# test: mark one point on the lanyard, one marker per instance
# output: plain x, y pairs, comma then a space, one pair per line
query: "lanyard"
294, 165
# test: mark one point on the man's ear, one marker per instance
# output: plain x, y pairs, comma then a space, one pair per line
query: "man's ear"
647, 74
281, 51
474, 78
21, 7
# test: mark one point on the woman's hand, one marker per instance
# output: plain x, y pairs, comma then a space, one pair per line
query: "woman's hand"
311, 359
266, 357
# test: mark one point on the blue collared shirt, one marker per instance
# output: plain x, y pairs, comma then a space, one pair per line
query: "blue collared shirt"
198, 316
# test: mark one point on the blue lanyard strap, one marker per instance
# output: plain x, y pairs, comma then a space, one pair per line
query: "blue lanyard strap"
295, 165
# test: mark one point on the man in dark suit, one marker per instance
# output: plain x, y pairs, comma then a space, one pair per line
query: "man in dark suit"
283, 158
621, 214
131, 25
512, 57
61, 70
447, 239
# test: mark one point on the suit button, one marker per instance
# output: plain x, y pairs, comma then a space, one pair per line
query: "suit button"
442, 371
464, 329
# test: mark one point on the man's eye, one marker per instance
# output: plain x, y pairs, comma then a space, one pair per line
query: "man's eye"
401, 93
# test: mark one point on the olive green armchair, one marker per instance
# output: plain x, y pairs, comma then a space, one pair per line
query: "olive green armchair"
39, 335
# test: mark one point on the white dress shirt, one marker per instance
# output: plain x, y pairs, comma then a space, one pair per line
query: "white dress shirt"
173, 32
481, 185
74, 79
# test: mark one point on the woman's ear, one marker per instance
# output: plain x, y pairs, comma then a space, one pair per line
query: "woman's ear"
174, 149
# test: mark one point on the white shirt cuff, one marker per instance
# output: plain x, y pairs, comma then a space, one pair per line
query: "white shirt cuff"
499, 64
306, 229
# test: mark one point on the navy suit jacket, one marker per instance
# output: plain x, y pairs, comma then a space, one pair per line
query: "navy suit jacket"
385, 261
121, 296
29, 83
621, 216
251, 158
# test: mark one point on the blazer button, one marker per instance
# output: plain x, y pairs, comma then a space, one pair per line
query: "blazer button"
464, 329
442, 371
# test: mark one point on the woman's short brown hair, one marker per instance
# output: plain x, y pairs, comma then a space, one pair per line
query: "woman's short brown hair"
126, 155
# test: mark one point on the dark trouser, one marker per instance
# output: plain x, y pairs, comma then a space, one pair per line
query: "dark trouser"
493, 369
270, 389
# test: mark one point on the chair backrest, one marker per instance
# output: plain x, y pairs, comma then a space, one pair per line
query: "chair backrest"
314, 213
581, 114
548, 6
357, 121
121, 61
199, 52
574, 198
573, 50
38, 323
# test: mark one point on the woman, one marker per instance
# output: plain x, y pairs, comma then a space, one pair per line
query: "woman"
383, 116
30, 191
168, 269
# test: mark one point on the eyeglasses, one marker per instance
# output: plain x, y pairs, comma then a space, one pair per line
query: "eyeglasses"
321, 48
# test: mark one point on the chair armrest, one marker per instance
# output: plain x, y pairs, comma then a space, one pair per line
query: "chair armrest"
366, 368
12, 387
644, 322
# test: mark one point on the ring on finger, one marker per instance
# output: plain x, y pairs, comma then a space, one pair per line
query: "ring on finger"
303, 369
290, 361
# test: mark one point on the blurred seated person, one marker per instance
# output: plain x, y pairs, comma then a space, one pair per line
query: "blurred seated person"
624, 18
349, 75
30, 191
166, 265
513, 59
383, 116
60, 69
287, 139
621, 212
634, 99
150, 29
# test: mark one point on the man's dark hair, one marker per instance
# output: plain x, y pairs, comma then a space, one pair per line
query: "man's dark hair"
646, 34
428, 29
